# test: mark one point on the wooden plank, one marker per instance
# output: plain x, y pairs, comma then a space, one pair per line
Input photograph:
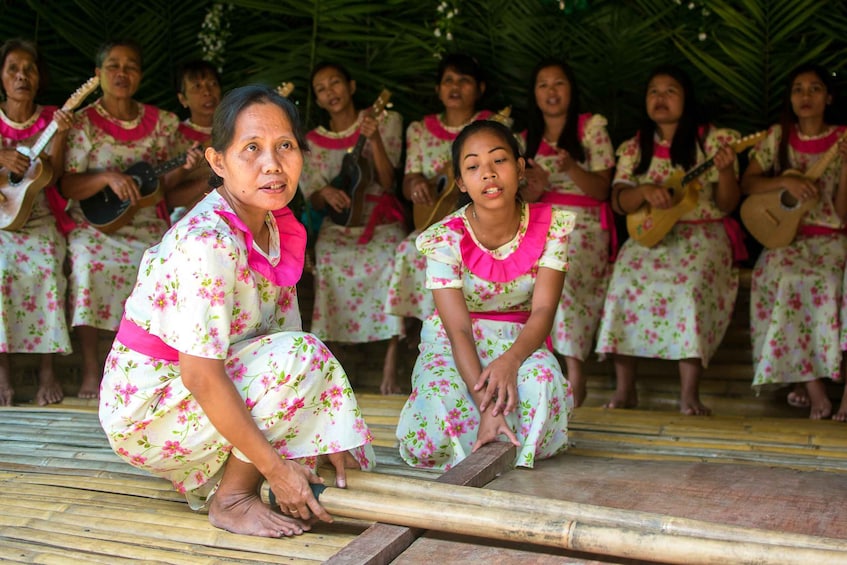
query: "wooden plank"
381, 543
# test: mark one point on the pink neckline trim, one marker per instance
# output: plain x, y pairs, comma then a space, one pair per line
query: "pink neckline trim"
10, 132
193, 134
813, 146
327, 142
436, 128
148, 122
292, 247
520, 261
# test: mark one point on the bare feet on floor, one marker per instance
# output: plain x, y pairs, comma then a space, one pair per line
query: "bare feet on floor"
248, 515
7, 393
49, 390
623, 400
90, 387
693, 407
820, 405
799, 397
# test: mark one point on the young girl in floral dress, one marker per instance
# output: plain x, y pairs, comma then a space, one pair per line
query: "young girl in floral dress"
32, 282
108, 136
797, 289
353, 263
460, 85
674, 300
496, 269
211, 383
570, 160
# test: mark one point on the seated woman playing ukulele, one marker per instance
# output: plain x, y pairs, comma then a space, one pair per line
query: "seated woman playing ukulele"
354, 262
32, 301
797, 289
110, 135
674, 300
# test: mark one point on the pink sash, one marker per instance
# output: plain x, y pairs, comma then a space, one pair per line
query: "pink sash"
821, 230
607, 217
733, 232
387, 211
136, 338
519, 317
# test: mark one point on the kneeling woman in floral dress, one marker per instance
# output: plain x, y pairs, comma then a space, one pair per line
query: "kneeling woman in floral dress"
496, 269
210, 382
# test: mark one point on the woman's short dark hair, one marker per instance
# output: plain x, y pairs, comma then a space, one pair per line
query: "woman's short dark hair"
462, 64
105, 48
197, 68
328, 65
236, 101
29, 47
491, 126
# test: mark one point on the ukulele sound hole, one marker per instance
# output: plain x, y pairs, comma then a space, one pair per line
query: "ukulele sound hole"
441, 184
14, 179
787, 200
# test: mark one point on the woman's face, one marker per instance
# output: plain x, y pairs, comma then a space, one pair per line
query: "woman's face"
201, 95
489, 170
20, 76
120, 74
262, 164
809, 96
459, 92
552, 91
333, 92
665, 100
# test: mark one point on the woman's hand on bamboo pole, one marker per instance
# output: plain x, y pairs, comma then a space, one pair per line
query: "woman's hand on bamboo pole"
293, 492
490, 428
342, 461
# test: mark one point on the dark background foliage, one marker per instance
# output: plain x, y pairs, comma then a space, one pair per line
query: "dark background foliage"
739, 67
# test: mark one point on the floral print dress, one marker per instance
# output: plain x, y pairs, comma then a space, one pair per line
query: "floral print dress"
675, 300
204, 291
797, 290
32, 281
588, 250
439, 423
428, 144
104, 266
353, 264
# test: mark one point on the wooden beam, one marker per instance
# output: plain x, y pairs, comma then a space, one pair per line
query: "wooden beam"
382, 543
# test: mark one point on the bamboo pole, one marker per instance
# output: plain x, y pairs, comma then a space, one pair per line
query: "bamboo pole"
535, 528
429, 491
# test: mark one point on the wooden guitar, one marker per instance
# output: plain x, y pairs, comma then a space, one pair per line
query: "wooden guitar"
108, 213
443, 190
773, 218
648, 225
17, 194
356, 175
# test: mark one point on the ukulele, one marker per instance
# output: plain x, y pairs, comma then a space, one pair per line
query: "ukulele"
443, 190
773, 217
649, 225
355, 176
17, 194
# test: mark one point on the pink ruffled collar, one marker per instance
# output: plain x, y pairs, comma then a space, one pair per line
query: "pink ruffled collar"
292, 247
194, 132
547, 150
814, 145
17, 131
436, 127
327, 139
133, 130
521, 260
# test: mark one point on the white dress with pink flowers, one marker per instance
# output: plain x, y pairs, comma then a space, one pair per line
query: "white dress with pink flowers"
104, 266
439, 423
206, 290
675, 300
32, 281
353, 264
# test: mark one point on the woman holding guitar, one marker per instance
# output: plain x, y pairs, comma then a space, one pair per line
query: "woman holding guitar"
32, 300
353, 262
674, 300
459, 86
797, 289
110, 135
569, 165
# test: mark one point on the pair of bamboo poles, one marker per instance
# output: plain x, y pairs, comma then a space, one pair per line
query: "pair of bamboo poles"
572, 526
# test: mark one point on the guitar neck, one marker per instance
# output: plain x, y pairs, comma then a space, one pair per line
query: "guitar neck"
170, 165
356, 152
43, 139
820, 166
698, 170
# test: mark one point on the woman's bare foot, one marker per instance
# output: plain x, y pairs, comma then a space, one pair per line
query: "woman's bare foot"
7, 393
90, 388
576, 378
693, 407
689, 388
799, 397
49, 388
626, 395
389, 369
821, 407
621, 399
246, 514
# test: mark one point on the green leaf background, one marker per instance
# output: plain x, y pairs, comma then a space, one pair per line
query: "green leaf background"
750, 47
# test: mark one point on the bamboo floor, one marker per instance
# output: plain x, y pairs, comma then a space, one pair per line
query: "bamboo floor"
65, 497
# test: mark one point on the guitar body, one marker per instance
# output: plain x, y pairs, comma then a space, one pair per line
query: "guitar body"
648, 225
354, 178
108, 213
773, 218
444, 193
19, 197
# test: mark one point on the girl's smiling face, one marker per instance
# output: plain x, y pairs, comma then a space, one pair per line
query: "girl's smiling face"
489, 170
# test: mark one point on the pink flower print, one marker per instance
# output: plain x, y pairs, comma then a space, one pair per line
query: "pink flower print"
631, 318
292, 408
139, 461
160, 302
123, 452
545, 375
421, 435
127, 391
249, 403
172, 448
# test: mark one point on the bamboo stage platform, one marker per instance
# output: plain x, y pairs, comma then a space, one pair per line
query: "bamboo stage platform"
65, 497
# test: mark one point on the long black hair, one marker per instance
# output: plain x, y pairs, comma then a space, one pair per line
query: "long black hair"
569, 138
687, 138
